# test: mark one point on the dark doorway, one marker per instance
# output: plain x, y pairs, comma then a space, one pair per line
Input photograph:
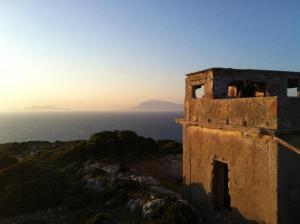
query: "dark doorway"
221, 198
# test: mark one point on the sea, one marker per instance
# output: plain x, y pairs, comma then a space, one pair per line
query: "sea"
65, 126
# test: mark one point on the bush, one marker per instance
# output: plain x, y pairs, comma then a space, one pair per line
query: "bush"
122, 145
174, 211
25, 188
6, 161
98, 218
119, 145
170, 146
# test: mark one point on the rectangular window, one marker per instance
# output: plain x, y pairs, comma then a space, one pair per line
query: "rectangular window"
246, 89
220, 192
198, 91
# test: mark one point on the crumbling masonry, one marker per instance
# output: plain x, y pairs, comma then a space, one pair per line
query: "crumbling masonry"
241, 155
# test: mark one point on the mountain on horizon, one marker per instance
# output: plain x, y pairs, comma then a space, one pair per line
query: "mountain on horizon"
158, 105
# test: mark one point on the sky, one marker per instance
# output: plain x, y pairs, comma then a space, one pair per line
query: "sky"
114, 54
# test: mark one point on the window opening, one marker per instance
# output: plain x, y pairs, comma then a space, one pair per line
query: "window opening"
260, 89
243, 89
198, 91
293, 88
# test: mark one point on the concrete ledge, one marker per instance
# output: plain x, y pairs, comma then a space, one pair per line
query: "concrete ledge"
255, 130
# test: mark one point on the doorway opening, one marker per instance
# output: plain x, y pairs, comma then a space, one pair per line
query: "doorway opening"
220, 191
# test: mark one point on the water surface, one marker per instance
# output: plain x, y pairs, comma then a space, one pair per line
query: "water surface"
52, 126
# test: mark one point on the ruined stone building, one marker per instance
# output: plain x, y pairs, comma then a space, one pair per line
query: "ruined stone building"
241, 138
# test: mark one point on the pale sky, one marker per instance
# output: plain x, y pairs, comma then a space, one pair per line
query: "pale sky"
113, 54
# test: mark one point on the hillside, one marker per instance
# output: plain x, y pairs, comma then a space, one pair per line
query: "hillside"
158, 105
114, 177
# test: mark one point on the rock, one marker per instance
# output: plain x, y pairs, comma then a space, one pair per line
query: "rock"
111, 169
152, 207
176, 210
172, 165
148, 181
170, 210
90, 166
93, 184
163, 190
135, 205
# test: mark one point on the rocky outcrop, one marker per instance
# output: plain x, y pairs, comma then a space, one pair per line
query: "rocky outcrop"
101, 180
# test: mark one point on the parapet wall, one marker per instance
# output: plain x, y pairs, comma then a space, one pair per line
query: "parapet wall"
250, 112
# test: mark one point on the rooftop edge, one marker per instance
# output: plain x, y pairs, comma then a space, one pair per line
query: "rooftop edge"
242, 70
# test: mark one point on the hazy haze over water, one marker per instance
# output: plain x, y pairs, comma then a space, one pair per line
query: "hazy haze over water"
47, 126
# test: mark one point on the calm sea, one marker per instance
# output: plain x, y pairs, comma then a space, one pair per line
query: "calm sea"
19, 127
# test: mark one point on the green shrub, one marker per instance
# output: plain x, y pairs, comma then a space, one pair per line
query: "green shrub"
98, 218
25, 188
6, 161
173, 212
170, 146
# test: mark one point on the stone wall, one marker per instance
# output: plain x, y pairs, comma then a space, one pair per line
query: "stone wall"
250, 112
264, 179
289, 113
252, 163
289, 181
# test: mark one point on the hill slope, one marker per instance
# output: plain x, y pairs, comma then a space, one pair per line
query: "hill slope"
114, 177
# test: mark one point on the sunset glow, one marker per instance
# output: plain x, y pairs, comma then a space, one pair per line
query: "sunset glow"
111, 55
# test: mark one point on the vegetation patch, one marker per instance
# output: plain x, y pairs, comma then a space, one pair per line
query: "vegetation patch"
89, 181
25, 187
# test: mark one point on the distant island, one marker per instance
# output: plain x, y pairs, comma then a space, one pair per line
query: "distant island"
45, 108
158, 105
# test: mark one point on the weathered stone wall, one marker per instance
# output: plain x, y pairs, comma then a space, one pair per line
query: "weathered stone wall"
264, 178
217, 80
252, 163
186, 158
289, 182
204, 78
250, 112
